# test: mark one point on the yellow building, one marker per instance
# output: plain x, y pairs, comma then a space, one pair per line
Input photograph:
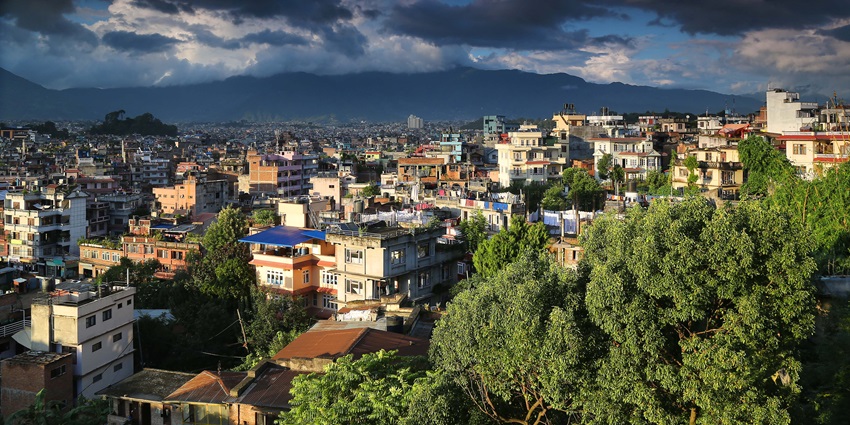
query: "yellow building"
719, 170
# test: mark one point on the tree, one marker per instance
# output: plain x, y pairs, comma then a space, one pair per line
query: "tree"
436, 399
519, 343
226, 272
657, 182
371, 189
141, 274
227, 229
505, 247
691, 164
604, 165
553, 198
264, 217
43, 412
374, 389
583, 188
474, 230
705, 308
764, 166
273, 322
618, 176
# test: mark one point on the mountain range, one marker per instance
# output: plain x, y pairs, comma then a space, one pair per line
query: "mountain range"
456, 94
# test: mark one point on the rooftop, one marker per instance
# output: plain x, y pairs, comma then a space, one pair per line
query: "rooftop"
149, 384
337, 343
36, 357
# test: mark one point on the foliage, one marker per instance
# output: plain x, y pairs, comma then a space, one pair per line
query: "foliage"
764, 165
49, 128
141, 274
519, 343
227, 229
618, 176
605, 163
264, 217
657, 182
436, 399
226, 272
691, 164
44, 412
532, 192
505, 247
273, 320
474, 230
106, 243
826, 370
375, 389
584, 190
703, 306
553, 198
145, 125
371, 189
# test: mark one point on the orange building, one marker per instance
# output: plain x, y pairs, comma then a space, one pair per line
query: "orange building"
286, 173
193, 196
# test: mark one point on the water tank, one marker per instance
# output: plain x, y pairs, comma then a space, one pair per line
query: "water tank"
395, 324
358, 206
632, 186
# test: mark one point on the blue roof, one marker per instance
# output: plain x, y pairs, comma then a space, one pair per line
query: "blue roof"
162, 226
284, 236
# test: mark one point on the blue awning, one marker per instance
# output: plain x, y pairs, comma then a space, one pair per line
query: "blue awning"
160, 226
284, 236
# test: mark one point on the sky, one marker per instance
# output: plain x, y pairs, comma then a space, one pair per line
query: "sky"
728, 46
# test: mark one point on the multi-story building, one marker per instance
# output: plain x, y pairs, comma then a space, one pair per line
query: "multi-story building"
121, 207
719, 171
414, 122
286, 173
813, 153
423, 170
454, 145
193, 196
531, 155
785, 112
41, 226
148, 170
28, 373
97, 258
296, 262
96, 326
635, 155
372, 261
97, 214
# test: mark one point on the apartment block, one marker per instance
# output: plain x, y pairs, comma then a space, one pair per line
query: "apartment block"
720, 171
195, 195
286, 173
786, 113
813, 153
95, 325
531, 155
635, 154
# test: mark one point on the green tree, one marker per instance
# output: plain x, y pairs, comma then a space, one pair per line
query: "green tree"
264, 217
227, 229
141, 274
43, 412
474, 230
704, 307
764, 165
273, 318
618, 176
226, 272
374, 389
691, 164
505, 247
436, 399
584, 190
604, 165
519, 343
553, 198
371, 189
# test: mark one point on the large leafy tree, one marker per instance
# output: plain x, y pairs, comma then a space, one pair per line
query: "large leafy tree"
265, 217
604, 165
764, 165
519, 343
227, 229
375, 389
584, 190
504, 247
553, 198
273, 322
44, 412
706, 308
474, 230
224, 270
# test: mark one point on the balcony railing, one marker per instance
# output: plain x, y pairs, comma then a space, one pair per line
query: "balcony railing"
14, 327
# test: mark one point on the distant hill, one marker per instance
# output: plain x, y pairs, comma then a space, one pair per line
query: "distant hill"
461, 93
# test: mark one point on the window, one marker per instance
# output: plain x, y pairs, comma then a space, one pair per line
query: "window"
97, 378
96, 346
91, 321
423, 250
57, 372
104, 256
397, 256
117, 337
461, 268
353, 256
162, 253
116, 258
107, 315
275, 277
328, 301
424, 280
120, 305
129, 302
328, 279
118, 367
353, 287
306, 276
447, 271
799, 149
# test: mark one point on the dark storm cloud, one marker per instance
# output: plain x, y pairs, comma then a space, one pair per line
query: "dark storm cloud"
735, 17
299, 12
518, 24
840, 33
138, 43
47, 17
271, 38
345, 39
164, 6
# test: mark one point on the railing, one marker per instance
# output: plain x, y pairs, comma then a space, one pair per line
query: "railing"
13, 328
382, 235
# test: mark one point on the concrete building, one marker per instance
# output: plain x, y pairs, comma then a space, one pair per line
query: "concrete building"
286, 173
813, 153
531, 155
414, 123
720, 171
303, 211
150, 171
195, 195
42, 226
785, 112
635, 154
121, 207
95, 326
374, 261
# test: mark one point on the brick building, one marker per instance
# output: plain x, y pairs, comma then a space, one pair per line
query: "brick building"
28, 373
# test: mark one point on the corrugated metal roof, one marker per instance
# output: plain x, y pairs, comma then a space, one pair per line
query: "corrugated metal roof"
207, 388
149, 384
337, 343
284, 236
271, 389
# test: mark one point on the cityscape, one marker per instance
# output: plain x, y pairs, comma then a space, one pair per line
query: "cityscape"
424, 212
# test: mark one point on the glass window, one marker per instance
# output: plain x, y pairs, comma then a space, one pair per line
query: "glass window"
107, 315
423, 250
353, 286
353, 256
96, 346
91, 321
117, 337
397, 256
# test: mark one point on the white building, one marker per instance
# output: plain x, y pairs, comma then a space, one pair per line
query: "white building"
532, 156
42, 226
96, 326
786, 113
635, 154
414, 122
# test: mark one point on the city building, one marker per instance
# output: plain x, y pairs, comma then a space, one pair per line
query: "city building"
786, 113
121, 207
635, 155
95, 325
719, 171
195, 195
531, 155
141, 397
43, 226
28, 373
813, 153
414, 122
287, 173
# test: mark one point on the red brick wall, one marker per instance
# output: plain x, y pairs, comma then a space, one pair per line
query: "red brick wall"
23, 380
